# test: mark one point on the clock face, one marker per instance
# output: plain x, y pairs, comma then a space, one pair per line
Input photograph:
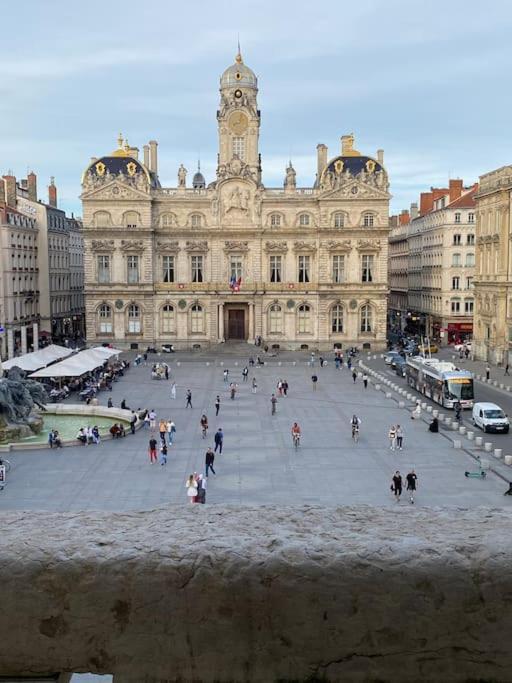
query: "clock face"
238, 122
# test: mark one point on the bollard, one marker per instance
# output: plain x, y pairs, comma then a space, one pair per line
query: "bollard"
479, 441
435, 412
484, 464
377, 387
479, 376
388, 394
509, 388
221, 363
207, 364
470, 435
457, 443
508, 459
236, 364
498, 452
448, 421
429, 409
375, 358
424, 405
178, 363
487, 446
455, 425
401, 404
495, 382
382, 355
359, 374
278, 363
462, 429
502, 386
294, 363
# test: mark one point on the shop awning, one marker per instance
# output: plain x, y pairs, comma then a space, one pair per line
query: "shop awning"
79, 364
38, 359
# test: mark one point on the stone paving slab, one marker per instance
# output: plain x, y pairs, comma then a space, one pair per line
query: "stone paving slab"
259, 465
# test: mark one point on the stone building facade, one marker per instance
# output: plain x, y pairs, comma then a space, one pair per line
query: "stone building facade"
398, 273
234, 260
493, 277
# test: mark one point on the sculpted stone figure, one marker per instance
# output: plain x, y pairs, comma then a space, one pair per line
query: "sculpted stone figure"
290, 180
182, 176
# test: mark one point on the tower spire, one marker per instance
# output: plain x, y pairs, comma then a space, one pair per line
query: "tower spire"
238, 58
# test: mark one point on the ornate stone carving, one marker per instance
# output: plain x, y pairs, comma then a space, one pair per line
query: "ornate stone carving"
301, 245
238, 199
132, 245
337, 245
236, 245
102, 245
236, 168
120, 189
273, 245
290, 181
168, 245
196, 245
368, 245
182, 176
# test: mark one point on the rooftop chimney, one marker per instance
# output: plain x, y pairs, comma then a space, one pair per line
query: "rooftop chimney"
52, 193
404, 217
10, 190
321, 160
455, 189
146, 156
153, 160
426, 202
32, 186
414, 211
380, 156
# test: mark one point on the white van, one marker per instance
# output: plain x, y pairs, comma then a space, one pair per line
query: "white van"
490, 418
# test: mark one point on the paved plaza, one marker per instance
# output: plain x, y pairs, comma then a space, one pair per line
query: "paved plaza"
259, 464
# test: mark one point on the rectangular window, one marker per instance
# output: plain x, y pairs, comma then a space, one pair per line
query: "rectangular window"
132, 263
468, 306
470, 238
367, 268
276, 268
456, 239
469, 283
103, 269
168, 268
456, 282
471, 217
338, 268
455, 306
197, 268
235, 267
457, 217
304, 262
456, 261
239, 147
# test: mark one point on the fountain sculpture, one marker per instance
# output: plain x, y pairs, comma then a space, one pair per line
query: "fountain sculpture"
18, 400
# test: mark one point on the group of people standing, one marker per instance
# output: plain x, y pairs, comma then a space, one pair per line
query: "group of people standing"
396, 437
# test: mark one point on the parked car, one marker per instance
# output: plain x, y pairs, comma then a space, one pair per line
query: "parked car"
431, 348
168, 348
490, 418
400, 364
462, 345
390, 356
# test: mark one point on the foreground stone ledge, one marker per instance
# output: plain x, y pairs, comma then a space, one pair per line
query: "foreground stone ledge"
259, 594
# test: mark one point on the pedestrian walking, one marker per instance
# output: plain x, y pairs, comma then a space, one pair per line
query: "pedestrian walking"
162, 428
349, 363
171, 432
285, 387
506, 369
412, 484
146, 419
111, 405
226, 374
321, 361
201, 489
232, 390
365, 380
217, 405
314, 380
416, 413
189, 399
312, 359
163, 454
392, 437
254, 385
354, 375
152, 419
399, 437
152, 450
280, 388
245, 372
219, 440
273, 403
173, 391
337, 362
191, 486
487, 373
209, 460
396, 485
133, 422
166, 372
204, 425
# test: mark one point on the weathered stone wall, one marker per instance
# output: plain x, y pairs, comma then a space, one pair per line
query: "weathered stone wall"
259, 594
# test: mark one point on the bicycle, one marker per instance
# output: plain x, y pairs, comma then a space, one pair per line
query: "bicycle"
296, 440
6, 464
355, 433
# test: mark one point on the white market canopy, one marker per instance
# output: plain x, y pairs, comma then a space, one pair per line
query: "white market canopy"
38, 359
79, 364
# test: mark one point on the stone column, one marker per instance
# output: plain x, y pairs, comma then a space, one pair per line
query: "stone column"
251, 322
10, 343
35, 335
23, 339
221, 322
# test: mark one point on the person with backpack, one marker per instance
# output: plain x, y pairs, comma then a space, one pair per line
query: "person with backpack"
209, 460
219, 439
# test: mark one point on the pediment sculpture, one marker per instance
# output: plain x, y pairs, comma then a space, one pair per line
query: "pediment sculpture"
236, 168
236, 245
168, 245
301, 245
132, 245
273, 245
368, 245
120, 189
196, 245
102, 245
337, 245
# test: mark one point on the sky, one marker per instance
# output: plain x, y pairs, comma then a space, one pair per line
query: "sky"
429, 82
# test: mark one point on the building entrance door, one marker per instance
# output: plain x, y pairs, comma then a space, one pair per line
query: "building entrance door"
236, 323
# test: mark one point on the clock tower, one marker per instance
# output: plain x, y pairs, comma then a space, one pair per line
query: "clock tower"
238, 118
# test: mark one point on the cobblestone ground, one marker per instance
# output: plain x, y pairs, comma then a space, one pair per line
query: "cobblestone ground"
259, 464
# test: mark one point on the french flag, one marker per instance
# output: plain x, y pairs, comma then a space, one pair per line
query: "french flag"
234, 284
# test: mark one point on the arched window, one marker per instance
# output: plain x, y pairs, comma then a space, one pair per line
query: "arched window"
339, 219
102, 219
304, 220
167, 220
275, 220
131, 219
133, 319
368, 220
337, 318
105, 319
470, 259
366, 318
168, 319
304, 319
196, 319
196, 220
275, 319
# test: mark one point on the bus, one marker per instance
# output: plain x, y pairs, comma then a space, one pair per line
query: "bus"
440, 381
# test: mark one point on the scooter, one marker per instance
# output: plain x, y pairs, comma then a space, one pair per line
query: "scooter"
481, 474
